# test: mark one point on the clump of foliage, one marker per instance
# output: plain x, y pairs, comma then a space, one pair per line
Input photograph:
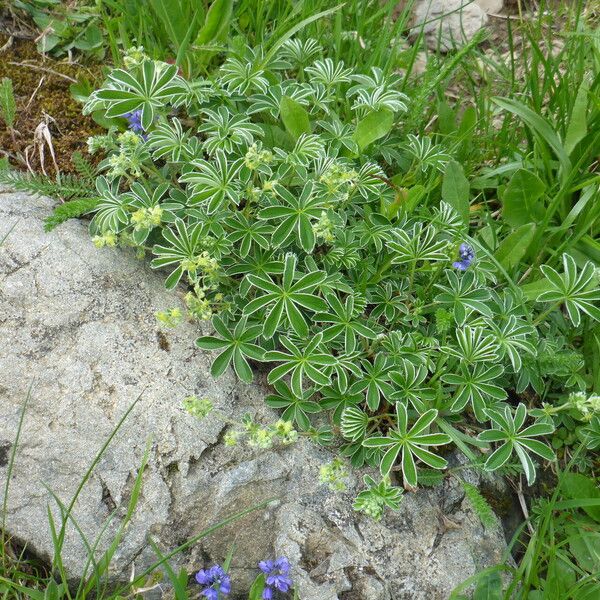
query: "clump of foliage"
76, 192
559, 557
311, 228
65, 27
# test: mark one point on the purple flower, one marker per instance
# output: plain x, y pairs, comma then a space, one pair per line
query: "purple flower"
214, 580
267, 593
134, 119
277, 576
466, 254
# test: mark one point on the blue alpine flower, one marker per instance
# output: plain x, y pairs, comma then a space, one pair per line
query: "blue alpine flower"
466, 255
214, 580
277, 576
134, 119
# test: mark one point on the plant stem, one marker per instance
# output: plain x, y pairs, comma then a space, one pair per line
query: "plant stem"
542, 316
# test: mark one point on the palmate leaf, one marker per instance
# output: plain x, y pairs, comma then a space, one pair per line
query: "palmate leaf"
296, 408
270, 101
463, 295
388, 301
139, 198
513, 338
235, 346
214, 183
112, 212
338, 397
294, 216
308, 147
338, 135
420, 243
378, 98
578, 290
354, 423
327, 73
377, 496
343, 319
259, 262
169, 141
374, 229
408, 385
509, 432
474, 345
375, 379
289, 297
309, 361
475, 385
429, 155
409, 444
247, 233
157, 84
244, 75
227, 132
178, 246
347, 367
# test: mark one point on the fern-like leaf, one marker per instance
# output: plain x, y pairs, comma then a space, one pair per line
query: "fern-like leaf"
69, 210
67, 187
429, 477
480, 505
86, 170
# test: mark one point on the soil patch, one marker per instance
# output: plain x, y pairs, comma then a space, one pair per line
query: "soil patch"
41, 87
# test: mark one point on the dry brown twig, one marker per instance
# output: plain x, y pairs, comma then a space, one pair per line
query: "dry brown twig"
37, 89
43, 69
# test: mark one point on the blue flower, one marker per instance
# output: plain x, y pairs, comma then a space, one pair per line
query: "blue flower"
276, 576
214, 580
466, 254
135, 121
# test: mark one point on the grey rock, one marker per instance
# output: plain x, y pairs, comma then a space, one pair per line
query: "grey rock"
492, 7
447, 24
78, 325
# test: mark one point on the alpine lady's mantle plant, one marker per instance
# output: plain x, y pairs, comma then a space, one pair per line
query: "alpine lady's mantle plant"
277, 191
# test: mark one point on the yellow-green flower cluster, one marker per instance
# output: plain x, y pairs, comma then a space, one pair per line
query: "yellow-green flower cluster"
134, 56
338, 177
231, 437
128, 160
101, 142
198, 305
204, 263
128, 141
121, 165
588, 406
198, 407
108, 238
255, 157
261, 437
258, 436
323, 229
269, 186
334, 475
147, 218
170, 318
285, 431
372, 505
